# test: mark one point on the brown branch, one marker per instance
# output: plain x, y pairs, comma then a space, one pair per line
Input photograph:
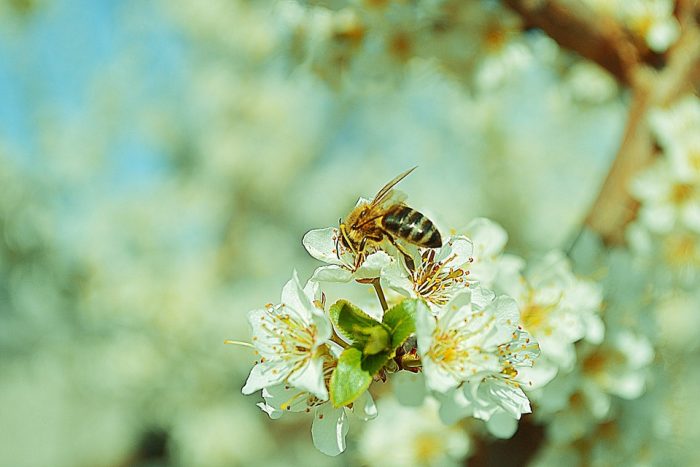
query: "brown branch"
614, 208
577, 28
606, 43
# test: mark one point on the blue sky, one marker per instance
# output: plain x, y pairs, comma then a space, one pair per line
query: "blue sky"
50, 60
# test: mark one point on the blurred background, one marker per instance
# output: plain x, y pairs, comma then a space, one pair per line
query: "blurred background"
161, 160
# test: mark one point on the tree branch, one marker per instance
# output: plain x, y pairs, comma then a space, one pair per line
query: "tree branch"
614, 208
608, 44
576, 28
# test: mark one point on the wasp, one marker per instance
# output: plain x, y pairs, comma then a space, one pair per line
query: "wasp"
387, 217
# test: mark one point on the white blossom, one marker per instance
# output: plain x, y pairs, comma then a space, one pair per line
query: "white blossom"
558, 309
291, 339
412, 436
478, 350
438, 274
668, 201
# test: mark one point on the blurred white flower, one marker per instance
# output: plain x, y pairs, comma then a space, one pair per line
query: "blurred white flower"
291, 339
558, 309
406, 437
678, 132
651, 20
667, 201
575, 402
489, 263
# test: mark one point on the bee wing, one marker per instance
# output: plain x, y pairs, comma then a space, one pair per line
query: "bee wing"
387, 189
391, 198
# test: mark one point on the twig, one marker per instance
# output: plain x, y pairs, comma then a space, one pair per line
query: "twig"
380, 293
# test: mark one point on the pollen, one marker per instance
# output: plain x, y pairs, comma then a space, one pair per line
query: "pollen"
437, 281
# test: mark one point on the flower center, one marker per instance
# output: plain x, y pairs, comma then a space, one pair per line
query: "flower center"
428, 447
535, 316
681, 192
435, 281
495, 37
680, 250
288, 336
694, 159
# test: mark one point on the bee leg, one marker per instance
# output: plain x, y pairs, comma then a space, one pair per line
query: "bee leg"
360, 256
406, 255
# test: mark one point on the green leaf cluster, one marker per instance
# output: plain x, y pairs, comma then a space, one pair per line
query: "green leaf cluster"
372, 345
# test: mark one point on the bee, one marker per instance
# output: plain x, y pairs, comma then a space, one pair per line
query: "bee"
387, 217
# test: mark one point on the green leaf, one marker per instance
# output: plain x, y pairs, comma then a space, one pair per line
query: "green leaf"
378, 340
349, 380
373, 363
400, 319
354, 324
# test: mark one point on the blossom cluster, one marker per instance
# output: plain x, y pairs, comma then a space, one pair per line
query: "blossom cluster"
667, 230
467, 331
439, 320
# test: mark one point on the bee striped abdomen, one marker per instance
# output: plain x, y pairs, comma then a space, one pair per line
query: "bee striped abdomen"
412, 226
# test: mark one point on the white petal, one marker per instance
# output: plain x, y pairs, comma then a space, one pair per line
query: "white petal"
438, 379
331, 273
481, 296
510, 398
595, 329
456, 310
460, 246
396, 277
537, 376
658, 217
691, 216
310, 378
364, 407
662, 35
320, 243
324, 328
482, 408
373, 265
284, 398
425, 326
506, 310
294, 297
489, 238
501, 425
629, 386
263, 375
329, 429
270, 410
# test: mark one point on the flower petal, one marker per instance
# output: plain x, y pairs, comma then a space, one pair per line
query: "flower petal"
331, 273
437, 378
294, 297
329, 428
364, 407
501, 425
310, 378
320, 243
262, 375
372, 265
